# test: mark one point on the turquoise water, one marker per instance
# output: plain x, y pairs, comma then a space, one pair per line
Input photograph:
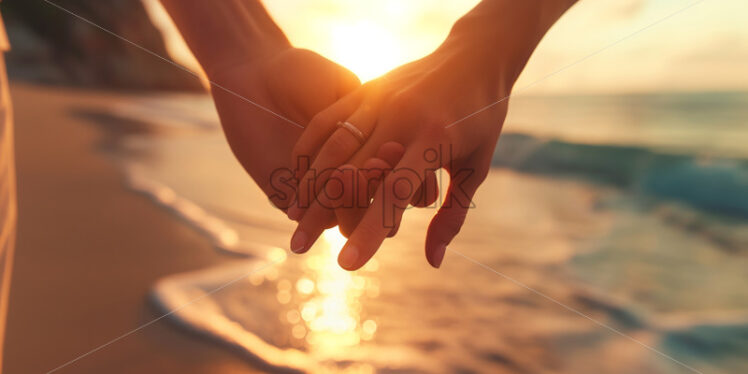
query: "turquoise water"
611, 237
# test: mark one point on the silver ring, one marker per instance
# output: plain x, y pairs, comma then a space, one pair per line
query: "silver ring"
353, 130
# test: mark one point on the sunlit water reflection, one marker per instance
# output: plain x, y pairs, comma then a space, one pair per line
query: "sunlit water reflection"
329, 313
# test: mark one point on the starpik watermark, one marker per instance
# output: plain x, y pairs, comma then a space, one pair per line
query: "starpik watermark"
395, 188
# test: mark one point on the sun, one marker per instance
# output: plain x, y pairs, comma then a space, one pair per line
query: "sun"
368, 37
366, 48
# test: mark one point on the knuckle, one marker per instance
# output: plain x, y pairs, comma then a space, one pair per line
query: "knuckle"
398, 189
368, 230
403, 189
340, 146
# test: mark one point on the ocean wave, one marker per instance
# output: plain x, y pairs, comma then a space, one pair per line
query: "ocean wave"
719, 341
716, 185
186, 300
223, 236
715, 339
192, 301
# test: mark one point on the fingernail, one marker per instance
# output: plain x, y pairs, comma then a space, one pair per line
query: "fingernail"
348, 257
294, 213
299, 241
438, 256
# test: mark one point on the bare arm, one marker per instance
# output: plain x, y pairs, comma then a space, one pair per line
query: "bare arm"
498, 37
226, 31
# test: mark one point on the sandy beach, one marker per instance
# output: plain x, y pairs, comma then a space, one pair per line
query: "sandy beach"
88, 252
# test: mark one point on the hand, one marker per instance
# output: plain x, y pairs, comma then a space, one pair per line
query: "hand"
454, 101
349, 190
264, 104
426, 106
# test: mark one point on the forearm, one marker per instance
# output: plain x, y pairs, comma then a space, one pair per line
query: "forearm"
497, 37
226, 31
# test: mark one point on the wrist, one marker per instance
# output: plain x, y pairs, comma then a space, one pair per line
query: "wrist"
256, 54
498, 37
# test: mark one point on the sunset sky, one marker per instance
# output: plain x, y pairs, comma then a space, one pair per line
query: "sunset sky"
704, 48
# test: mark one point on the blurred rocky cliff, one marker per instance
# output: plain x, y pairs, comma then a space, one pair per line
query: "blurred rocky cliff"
50, 45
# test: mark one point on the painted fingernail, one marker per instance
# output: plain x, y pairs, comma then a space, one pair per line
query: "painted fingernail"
438, 256
294, 213
348, 257
299, 241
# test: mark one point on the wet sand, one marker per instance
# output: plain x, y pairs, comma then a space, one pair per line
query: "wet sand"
89, 250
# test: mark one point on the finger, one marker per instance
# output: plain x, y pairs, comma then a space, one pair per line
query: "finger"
357, 196
319, 130
372, 173
335, 152
319, 217
391, 152
385, 213
448, 221
427, 192
348, 197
